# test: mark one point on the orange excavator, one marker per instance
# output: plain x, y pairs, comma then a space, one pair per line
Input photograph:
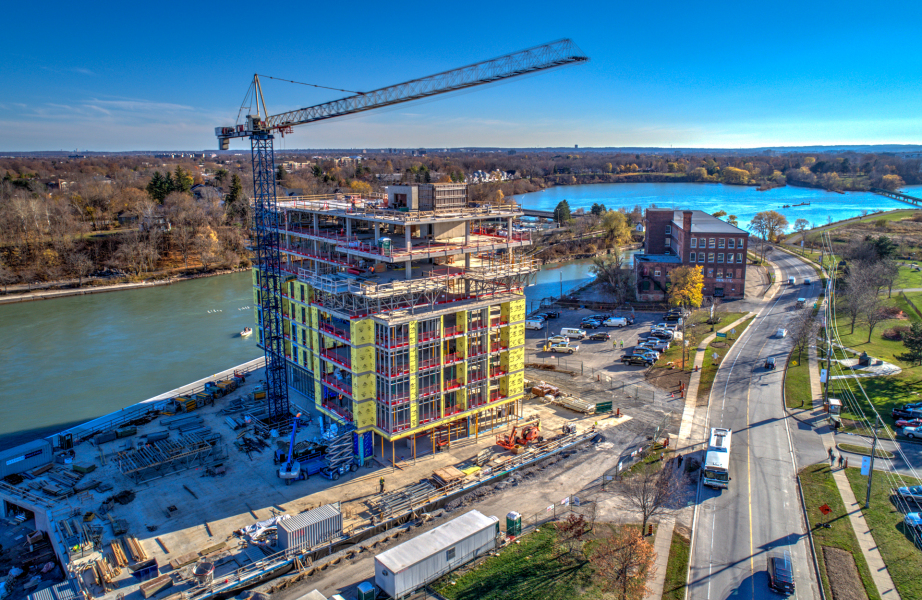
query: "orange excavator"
527, 433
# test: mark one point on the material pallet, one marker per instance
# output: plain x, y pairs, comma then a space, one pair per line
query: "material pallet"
154, 586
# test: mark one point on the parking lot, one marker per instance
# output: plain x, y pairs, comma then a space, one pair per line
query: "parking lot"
602, 357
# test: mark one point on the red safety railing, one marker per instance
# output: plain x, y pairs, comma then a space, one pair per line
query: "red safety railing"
429, 363
451, 384
451, 331
451, 358
475, 377
497, 371
393, 371
394, 343
337, 384
475, 351
343, 413
429, 390
476, 326
343, 334
395, 399
343, 360
497, 396
498, 322
497, 346
427, 335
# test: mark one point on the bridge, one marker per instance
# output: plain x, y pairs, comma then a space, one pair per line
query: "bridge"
898, 196
542, 214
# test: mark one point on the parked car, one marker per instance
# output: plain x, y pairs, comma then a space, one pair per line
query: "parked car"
912, 432
572, 332
591, 324
540, 317
781, 573
552, 314
637, 359
600, 336
908, 422
558, 339
658, 345
770, 363
535, 324
913, 520
649, 353
598, 318
909, 405
674, 318
782, 332
663, 334
564, 348
910, 493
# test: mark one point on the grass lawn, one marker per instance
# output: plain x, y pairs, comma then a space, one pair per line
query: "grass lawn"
694, 334
797, 393
819, 489
709, 367
908, 278
677, 568
879, 453
877, 347
530, 570
903, 559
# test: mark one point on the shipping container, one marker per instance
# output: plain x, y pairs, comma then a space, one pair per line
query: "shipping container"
311, 528
403, 569
26, 457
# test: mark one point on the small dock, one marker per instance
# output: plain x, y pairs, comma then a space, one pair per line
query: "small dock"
898, 196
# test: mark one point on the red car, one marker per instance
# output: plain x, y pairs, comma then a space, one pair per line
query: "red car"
908, 422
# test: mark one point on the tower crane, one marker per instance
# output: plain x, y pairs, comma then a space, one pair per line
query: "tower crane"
261, 129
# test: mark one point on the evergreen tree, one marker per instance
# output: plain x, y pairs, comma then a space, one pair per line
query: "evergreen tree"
182, 180
562, 212
913, 343
235, 203
159, 187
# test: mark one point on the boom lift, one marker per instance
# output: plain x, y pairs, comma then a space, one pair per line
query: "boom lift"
528, 433
291, 470
261, 129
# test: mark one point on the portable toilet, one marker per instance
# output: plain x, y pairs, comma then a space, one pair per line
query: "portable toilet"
366, 591
513, 524
385, 245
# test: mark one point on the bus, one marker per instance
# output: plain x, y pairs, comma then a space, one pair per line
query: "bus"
717, 460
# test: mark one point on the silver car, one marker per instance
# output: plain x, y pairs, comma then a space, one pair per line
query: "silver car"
910, 493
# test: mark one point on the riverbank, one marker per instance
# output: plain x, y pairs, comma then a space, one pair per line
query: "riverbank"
29, 296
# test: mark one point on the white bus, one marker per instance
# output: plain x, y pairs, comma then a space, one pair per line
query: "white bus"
717, 460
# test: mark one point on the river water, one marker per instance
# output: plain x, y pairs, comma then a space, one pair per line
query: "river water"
72, 359
742, 201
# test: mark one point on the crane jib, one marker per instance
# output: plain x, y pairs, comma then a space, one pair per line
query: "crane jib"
540, 58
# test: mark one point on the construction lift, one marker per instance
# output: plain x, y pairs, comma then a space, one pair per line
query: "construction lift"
261, 129
527, 433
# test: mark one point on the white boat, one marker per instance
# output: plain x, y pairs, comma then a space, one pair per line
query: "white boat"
246, 332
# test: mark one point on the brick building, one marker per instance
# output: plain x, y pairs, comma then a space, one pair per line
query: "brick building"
692, 237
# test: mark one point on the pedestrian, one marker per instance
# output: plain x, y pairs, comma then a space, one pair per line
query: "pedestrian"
841, 461
662, 456
382, 486
832, 459
830, 454
681, 456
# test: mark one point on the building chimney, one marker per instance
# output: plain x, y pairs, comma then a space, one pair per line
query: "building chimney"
686, 220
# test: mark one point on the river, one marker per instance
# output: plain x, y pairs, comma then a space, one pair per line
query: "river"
742, 201
72, 359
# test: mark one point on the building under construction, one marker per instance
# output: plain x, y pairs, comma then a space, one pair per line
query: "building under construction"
404, 312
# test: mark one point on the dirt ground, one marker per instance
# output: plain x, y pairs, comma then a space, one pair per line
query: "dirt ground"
843, 575
668, 380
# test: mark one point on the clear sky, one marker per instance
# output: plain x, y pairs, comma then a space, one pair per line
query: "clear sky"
140, 75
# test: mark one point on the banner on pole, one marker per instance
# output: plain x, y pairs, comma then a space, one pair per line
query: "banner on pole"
866, 465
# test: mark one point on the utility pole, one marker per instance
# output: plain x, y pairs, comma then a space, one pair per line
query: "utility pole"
867, 500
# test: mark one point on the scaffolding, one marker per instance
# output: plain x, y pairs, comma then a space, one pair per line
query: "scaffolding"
165, 457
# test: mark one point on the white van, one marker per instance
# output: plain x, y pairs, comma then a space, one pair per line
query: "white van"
572, 332
792, 280
615, 322
534, 324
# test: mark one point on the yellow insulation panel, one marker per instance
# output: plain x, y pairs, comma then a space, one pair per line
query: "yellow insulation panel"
363, 386
364, 414
515, 359
517, 310
414, 414
462, 320
363, 359
413, 333
363, 332
516, 334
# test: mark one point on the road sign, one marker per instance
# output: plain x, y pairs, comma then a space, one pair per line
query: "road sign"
733, 331
825, 509
723, 335
715, 356
822, 375
865, 465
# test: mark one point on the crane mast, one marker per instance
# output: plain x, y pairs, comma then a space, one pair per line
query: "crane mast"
260, 128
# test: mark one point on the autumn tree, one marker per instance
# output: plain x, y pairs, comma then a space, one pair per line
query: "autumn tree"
624, 562
733, 220
185, 218
891, 182
570, 534
768, 225
719, 214
616, 227
687, 286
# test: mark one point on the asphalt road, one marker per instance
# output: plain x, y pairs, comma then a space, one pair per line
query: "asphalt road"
736, 529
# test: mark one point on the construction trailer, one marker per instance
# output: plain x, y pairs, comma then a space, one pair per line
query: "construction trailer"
311, 528
411, 565
30, 455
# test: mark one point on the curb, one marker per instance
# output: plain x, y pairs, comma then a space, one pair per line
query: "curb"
860, 454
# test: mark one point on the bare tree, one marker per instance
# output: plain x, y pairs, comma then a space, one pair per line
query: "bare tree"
888, 270
804, 329
185, 219
874, 313
615, 278
625, 562
80, 264
654, 489
859, 291
570, 534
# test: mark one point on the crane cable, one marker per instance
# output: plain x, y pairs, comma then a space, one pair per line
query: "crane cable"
313, 85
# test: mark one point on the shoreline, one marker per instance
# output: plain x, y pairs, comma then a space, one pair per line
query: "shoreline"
14, 298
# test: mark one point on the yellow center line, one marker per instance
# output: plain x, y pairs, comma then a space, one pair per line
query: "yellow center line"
752, 558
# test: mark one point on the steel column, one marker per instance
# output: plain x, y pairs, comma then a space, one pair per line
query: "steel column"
270, 275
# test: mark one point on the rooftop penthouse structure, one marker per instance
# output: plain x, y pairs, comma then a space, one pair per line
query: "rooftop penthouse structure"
404, 313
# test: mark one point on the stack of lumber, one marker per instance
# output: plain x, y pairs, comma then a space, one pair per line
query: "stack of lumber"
447, 475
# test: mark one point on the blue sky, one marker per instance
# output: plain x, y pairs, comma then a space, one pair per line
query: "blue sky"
123, 76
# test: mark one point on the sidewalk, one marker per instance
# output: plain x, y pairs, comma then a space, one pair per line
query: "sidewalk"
879, 572
661, 546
